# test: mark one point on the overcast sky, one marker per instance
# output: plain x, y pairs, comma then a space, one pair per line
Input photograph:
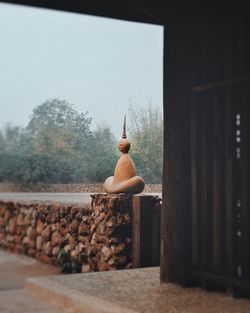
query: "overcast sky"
98, 64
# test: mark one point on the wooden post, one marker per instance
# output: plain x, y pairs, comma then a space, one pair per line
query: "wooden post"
176, 217
145, 231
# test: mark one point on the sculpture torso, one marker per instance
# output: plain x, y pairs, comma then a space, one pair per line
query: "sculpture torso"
125, 168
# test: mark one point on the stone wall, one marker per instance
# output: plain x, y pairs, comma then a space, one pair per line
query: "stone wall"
79, 238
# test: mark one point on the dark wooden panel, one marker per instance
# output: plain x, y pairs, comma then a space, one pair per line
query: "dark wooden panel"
225, 281
195, 222
205, 205
176, 235
229, 150
136, 232
244, 183
145, 231
247, 186
156, 233
229, 120
217, 191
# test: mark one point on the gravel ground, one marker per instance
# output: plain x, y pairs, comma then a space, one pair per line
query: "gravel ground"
139, 290
75, 188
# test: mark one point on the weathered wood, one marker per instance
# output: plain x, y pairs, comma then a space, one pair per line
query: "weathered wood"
195, 221
204, 244
247, 171
244, 192
218, 180
176, 235
230, 202
145, 231
136, 232
219, 84
243, 144
224, 281
228, 159
217, 192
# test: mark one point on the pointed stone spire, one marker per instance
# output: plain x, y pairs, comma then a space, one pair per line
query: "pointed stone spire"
124, 128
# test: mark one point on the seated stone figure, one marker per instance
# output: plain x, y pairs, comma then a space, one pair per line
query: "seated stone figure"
124, 179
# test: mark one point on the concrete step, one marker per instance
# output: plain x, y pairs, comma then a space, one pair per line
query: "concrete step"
15, 268
129, 291
20, 301
71, 300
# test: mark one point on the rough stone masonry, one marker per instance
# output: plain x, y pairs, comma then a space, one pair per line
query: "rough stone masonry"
79, 238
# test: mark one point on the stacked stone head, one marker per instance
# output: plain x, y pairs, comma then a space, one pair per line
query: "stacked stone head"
125, 179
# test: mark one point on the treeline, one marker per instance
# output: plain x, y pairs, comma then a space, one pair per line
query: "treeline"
58, 146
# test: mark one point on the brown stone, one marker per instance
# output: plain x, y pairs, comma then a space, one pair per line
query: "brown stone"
79, 216
48, 248
46, 233
80, 247
31, 252
93, 227
2, 221
112, 221
83, 229
6, 216
55, 218
74, 225
83, 239
107, 252
85, 218
86, 268
45, 258
33, 233
70, 239
26, 240
39, 227
75, 210
68, 247
74, 254
33, 223
118, 249
13, 225
101, 228
102, 266
39, 243
63, 222
10, 238
56, 239
92, 250
20, 220
55, 251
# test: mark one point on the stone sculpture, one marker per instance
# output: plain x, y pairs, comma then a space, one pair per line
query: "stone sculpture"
124, 179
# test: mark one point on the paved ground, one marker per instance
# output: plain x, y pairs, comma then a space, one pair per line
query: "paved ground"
127, 291
20, 301
14, 269
131, 291
46, 196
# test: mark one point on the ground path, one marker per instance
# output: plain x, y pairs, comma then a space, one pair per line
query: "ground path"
14, 269
126, 291
66, 197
